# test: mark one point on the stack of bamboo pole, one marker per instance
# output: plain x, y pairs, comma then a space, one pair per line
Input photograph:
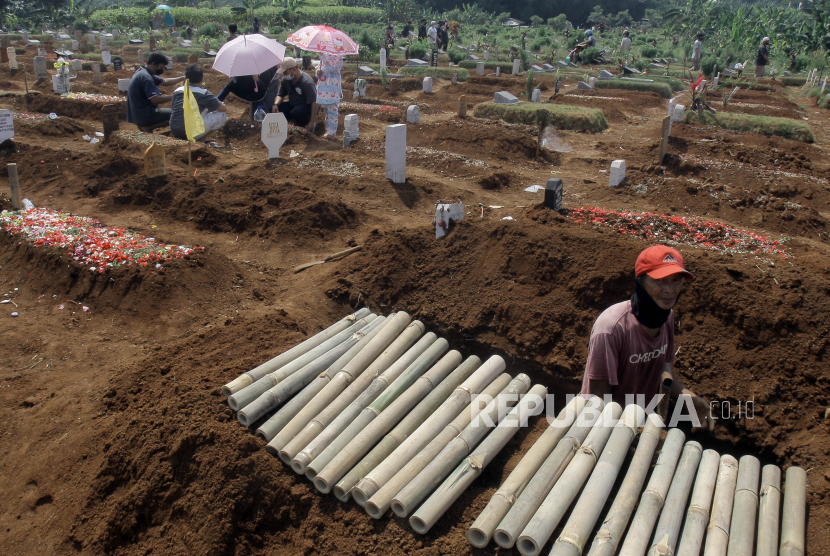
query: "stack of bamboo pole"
379, 410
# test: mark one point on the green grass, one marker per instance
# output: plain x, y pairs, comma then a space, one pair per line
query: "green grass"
11, 37
794, 81
743, 123
443, 73
675, 84
662, 89
824, 102
576, 118
505, 66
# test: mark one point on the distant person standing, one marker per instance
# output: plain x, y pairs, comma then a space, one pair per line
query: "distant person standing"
432, 35
232, 28
591, 39
256, 25
329, 90
422, 30
762, 59
625, 45
157, 22
696, 50
406, 29
444, 34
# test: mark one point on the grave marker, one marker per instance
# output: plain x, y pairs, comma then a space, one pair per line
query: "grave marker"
90, 37
123, 85
605, 74
75, 45
274, 133
116, 64
106, 57
516, 67
462, 107
14, 185
428, 85
446, 212
486, 55
4, 55
823, 83
591, 82
155, 164
12, 58
96, 74
553, 194
678, 113
382, 58
479, 68
351, 129
498, 71
192, 59
169, 63
396, 153
505, 97
102, 43
6, 125
413, 114
76, 65
582, 86
433, 59
40, 68
617, 174
109, 114
26, 35
536, 96
41, 52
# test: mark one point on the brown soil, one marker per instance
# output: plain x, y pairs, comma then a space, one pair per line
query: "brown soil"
117, 440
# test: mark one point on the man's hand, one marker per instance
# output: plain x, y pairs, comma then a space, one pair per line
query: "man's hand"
310, 126
703, 410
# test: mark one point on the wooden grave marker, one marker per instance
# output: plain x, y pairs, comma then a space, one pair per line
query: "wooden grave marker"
155, 165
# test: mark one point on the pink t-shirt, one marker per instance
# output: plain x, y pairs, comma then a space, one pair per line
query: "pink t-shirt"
623, 353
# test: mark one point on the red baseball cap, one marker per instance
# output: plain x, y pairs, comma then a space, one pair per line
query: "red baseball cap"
660, 261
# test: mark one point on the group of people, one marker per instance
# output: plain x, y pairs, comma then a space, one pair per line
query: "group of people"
761, 57
437, 35
283, 88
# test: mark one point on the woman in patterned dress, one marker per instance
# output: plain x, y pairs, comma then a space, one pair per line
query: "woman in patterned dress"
329, 90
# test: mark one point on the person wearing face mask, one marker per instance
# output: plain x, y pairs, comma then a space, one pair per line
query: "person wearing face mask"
144, 96
632, 343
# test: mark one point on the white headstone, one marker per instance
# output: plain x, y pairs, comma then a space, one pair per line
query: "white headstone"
41, 52
498, 71
102, 43
274, 133
169, 63
180, 40
505, 97
479, 68
96, 74
77, 65
444, 213
617, 174
382, 58
672, 102
396, 152
677, 114
40, 68
516, 63
106, 57
25, 35
75, 46
6, 125
715, 83
823, 83
582, 86
413, 114
13, 58
351, 123
427, 84
486, 55
116, 33
123, 85
592, 81
59, 84
537, 95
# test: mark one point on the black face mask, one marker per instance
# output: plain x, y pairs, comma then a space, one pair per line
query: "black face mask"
646, 311
160, 70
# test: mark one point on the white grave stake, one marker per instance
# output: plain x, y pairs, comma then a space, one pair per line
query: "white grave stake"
444, 213
13, 58
274, 133
516, 63
396, 153
427, 84
6, 125
382, 58
617, 174
413, 114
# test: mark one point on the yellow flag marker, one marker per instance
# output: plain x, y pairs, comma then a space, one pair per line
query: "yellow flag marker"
194, 125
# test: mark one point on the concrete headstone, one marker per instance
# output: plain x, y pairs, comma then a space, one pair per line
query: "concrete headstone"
582, 86
427, 84
486, 55
416, 63
12, 58
479, 68
96, 74
505, 97
40, 68
617, 174
102, 43
548, 67
413, 114
155, 164
537, 69
516, 66
592, 81
106, 57
41, 52
274, 132
6, 125
123, 85
365, 71
605, 74
76, 65
631, 71
677, 113
396, 153
472, 58
462, 107
382, 58
444, 214
536, 96
498, 71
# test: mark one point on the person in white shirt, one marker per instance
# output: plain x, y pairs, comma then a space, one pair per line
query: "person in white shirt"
696, 52
432, 35
625, 45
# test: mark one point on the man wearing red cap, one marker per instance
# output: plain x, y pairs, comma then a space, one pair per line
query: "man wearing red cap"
632, 343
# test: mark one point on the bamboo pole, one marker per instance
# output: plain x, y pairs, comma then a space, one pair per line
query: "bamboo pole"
425, 409
248, 378
770, 504
651, 502
794, 513
14, 186
387, 417
384, 389
470, 469
744, 508
287, 412
691, 540
456, 450
381, 501
717, 532
574, 535
666, 535
481, 531
613, 526
344, 388
291, 384
542, 482
410, 444
246, 395
541, 526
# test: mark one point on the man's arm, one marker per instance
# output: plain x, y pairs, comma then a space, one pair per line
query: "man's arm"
161, 99
173, 80
313, 121
599, 387
707, 422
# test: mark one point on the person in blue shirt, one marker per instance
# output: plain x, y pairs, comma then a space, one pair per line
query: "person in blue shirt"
144, 96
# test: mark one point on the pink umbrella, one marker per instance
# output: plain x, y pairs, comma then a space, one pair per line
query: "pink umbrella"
320, 38
248, 55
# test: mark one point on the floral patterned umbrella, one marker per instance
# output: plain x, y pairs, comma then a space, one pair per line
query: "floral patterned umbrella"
321, 38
